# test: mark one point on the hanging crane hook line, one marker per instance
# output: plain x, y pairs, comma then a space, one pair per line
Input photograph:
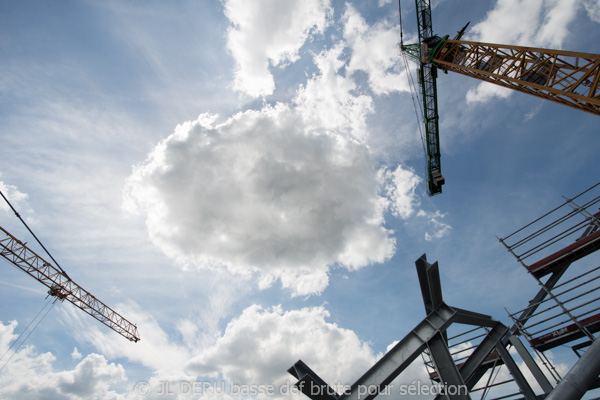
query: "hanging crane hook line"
24, 330
415, 100
29, 334
33, 234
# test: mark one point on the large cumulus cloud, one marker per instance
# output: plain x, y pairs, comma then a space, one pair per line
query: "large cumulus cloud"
261, 193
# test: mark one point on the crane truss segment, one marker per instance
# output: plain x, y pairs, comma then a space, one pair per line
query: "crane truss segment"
62, 287
424, 19
427, 79
565, 77
428, 75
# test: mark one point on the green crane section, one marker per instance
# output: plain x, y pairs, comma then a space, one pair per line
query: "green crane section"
427, 76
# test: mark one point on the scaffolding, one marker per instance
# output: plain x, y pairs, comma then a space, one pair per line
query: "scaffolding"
558, 251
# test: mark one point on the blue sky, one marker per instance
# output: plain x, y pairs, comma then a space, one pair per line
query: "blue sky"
245, 181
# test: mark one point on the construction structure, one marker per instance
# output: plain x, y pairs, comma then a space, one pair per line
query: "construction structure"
490, 360
61, 286
564, 77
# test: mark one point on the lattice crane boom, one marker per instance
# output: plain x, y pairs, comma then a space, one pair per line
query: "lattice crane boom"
564, 77
61, 287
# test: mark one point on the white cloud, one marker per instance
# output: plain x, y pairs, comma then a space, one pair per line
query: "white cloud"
17, 198
327, 101
76, 355
155, 350
261, 344
259, 192
374, 52
441, 229
30, 375
532, 113
400, 189
593, 9
542, 23
538, 23
289, 191
270, 33
486, 91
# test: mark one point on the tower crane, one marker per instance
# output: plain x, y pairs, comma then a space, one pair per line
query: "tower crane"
59, 284
564, 77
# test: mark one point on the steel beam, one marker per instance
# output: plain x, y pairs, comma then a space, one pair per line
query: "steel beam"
516, 373
311, 384
472, 318
400, 356
479, 355
386, 369
446, 368
431, 286
533, 367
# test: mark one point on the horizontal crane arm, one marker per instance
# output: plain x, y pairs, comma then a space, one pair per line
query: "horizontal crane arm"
61, 286
565, 77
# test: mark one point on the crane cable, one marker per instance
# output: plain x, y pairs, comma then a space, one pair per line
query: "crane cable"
29, 334
411, 83
33, 234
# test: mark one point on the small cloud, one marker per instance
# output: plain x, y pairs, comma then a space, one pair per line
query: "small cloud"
486, 91
76, 355
400, 188
441, 229
17, 198
532, 113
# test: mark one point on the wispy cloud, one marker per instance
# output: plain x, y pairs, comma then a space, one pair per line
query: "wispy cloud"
17, 198
593, 9
441, 229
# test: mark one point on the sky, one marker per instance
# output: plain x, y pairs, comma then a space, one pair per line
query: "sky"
244, 180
